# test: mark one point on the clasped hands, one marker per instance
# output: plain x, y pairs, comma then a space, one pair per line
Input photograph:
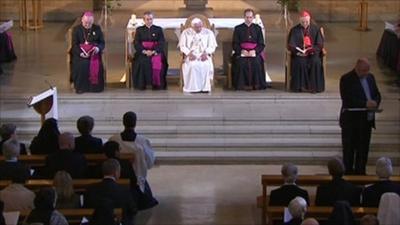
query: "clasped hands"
250, 53
149, 52
90, 53
371, 104
203, 57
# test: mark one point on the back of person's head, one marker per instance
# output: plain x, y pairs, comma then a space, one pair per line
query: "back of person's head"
389, 209
111, 167
63, 184
336, 167
7, 130
111, 149
66, 141
85, 125
289, 172
103, 213
369, 220
49, 128
298, 207
341, 214
11, 149
129, 119
45, 199
310, 221
384, 168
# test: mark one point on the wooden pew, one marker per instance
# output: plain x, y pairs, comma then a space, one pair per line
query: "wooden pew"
309, 180
40, 160
79, 184
74, 216
275, 213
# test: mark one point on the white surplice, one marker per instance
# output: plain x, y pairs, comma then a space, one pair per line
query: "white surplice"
197, 74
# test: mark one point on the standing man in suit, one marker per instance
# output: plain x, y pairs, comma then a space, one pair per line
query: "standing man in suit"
108, 189
360, 97
338, 189
289, 190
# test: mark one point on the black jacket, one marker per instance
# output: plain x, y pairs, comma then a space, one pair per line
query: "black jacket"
87, 144
338, 190
72, 162
283, 195
8, 170
372, 194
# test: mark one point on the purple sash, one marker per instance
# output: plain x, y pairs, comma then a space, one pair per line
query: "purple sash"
9, 42
252, 46
94, 67
156, 62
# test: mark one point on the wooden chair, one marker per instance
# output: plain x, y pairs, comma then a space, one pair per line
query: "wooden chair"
288, 62
188, 24
307, 180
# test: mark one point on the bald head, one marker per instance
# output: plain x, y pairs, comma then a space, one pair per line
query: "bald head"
310, 221
66, 141
362, 67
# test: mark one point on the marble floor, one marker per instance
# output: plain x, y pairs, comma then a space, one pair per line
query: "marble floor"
191, 194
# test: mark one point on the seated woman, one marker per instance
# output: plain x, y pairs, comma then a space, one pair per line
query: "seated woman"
44, 211
66, 196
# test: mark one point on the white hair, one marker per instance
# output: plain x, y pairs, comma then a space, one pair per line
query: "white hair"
289, 172
388, 210
196, 21
384, 167
11, 148
298, 207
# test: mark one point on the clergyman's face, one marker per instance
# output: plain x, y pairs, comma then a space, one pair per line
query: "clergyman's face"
87, 21
197, 27
305, 21
248, 17
148, 19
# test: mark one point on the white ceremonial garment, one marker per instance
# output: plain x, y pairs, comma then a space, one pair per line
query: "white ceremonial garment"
197, 74
144, 156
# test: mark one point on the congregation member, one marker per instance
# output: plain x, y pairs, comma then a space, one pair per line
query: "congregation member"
2, 219
248, 72
197, 44
87, 48
369, 219
341, 214
310, 221
66, 159
103, 214
305, 42
150, 63
297, 208
360, 97
8, 131
44, 211
372, 194
66, 196
289, 190
112, 150
388, 210
337, 189
132, 143
46, 141
109, 189
11, 167
86, 143
16, 196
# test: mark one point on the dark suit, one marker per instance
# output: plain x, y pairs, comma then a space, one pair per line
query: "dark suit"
88, 144
72, 162
338, 190
283, 195
9, 169
372, 194
120, 195
356, 126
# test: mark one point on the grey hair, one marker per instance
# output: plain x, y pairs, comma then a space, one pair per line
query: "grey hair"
11, 148
196, 21
384, 167
110, 167
298, 207
289, 172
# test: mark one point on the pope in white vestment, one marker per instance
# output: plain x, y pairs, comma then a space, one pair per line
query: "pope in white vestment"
197, 44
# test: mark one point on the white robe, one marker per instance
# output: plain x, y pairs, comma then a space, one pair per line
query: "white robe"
144, 155
197, 74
